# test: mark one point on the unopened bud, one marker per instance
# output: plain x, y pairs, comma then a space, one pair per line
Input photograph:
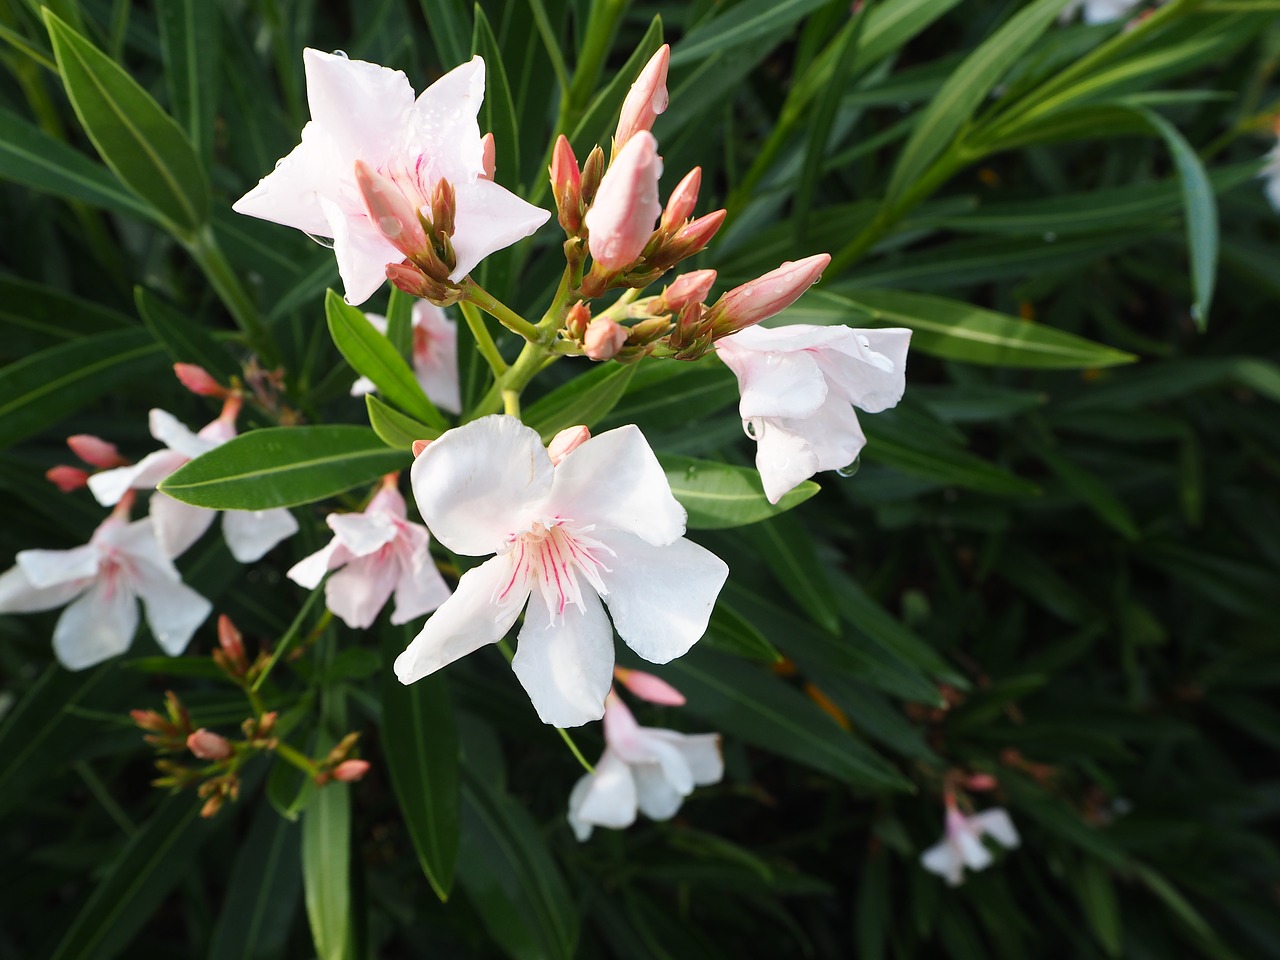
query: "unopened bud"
626, 206
444, 208
566, 186
592, 174
198, 380
419, 446
683, 199
344, 747
604, 338
648, 687
980, 782
149, 720
566, 441
487, 157
409, 278
765, 296
232, 643
685, 289
645, 100
211, 806
208, 745
693, 237
648, 330
67, 478
576, 320
349, 771
390, 210
95, 451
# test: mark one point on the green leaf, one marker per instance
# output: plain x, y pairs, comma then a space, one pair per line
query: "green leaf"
721, 495
449, 29
372, 355
892, 23
148, 151
600, 116
183, 337
42, 389
36, 317
731, 632
420, 744
400, 323
586, 399
262, 894
939, 462
396, 429
283, 467
741, 24
959, 331
189, 43
789, 551
1091, 489
498, 112
326, 869
660, 395
1098, 899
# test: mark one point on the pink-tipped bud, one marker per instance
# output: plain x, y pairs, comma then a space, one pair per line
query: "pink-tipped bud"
566, 441
66, 478
419, 446
981, 782
766, 296
682, 200
487, 156
390, 210
685, 289
349, 771
95, 451
409, 278
198, 380
232, 644
208, 745
566, 186
694, 237
645, 100
626, 206
604, 338
576, 320
648, 687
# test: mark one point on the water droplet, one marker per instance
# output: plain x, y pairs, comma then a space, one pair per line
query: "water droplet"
342, 54
850, 469
390, 227
753, 428
903, 106
689, 472
323, 241
1050, 236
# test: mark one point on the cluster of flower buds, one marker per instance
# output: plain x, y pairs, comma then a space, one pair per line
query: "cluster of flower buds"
338, 764
93, 451
167, 732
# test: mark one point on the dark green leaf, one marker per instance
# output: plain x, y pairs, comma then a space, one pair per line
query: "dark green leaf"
183, 337
721, 495
395, 428
586, 399
263, 891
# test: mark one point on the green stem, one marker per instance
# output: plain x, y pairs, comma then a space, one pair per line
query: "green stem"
204, 249
103, 796
473, 292
296, 758
484, 342
290, 635
564, 734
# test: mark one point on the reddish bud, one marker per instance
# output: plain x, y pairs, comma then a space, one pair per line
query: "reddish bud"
685, 289
765, 296
419, 446
693, 238
604, 338
682, 201
648, 687
645, 100
487, 154
566, 441
198, 380
980, 782
95, 451
349, 771
208, 745
232, 644
566, 186
592, 174
576, 320
622, 217
444, 208
390, 210
66, 478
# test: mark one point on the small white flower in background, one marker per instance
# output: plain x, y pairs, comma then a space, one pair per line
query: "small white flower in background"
644, 769
601, 523
435, 356
961, 846
1098, 11
249, 533
379, 553
1271, 173
365, 112
103, 581
799, 385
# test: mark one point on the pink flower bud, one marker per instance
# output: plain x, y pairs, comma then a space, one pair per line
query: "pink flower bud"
576, 320
566, 441
687, 288
66, 478
208, 745
419, 446
682, 200
390, 210
604, 338
566, 186
766, 296
626, 206
198, 380
980, 782
487, 156
692, 238
95, 451
648, 687
232, 643
349, 771
645, 100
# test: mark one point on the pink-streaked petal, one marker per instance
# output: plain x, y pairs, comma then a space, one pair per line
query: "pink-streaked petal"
289, 195
615, 482
362, 533
465, 622
251, 533
943, 860
419, 591
178, 525
479, 484
174, 434
443, 124
872, 375
310, 570
774, 383
361, 105
108, 486
657, 797
606, 798
996, 824
565, 664
784, 456
99, 625
361, 250
489, 218
51, 568
19, 595
358, 592
661, 598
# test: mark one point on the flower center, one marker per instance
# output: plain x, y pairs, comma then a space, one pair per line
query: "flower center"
550, 557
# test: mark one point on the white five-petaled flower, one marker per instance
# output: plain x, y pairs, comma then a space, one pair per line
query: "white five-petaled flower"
380, 553
641, 768
799, 385
249, 533
961, 846
102, 581
435, 356
600, 523
367, 112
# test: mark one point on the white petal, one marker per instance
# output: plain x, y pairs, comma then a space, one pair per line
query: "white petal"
362, 386
465, 622
421, 589
657, 796
581, 829
310, 570
51, 568
178, 525
833, 433
701, 752
290, 194
660, 598
251, 533
362, 533
609, 798
108, 486
435, 356
995, 823
972, 852
943, 860
565, 664
19, 595
359, 591
174, 611
872, 375
173, 433
614, 481
774, 384
361, 105
477, 485
489, 218
784, 457
99, 625
362, 252
442, 125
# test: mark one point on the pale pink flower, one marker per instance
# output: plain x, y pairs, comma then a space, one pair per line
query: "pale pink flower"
249, 533
364, 111
626, 207
435, 356
102, 582
642, 769
961, 846
646, 98
648, 687
601, 524
376, 553
799, 385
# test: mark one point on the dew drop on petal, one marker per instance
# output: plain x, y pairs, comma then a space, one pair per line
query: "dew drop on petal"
390, 227
850, 469
342, 54
322, 241
753, 428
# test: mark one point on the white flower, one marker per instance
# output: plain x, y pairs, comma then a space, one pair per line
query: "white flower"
249, 533
1271, 173
105, 578
380, 552
435, 356
961, 846
799, 384
367, 112
1098, 11
641, 768
602, 523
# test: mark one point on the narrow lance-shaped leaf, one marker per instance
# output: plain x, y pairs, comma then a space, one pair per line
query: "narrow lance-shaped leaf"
395, 428
722, 495
586, 399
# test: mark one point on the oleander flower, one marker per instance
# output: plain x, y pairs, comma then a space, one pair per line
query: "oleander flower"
600, 524
961, 846
799, 385
435, 356
376, 553
642, 769
365, 112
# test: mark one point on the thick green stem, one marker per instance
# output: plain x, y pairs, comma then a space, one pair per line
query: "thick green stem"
297, 759
204, 249
484, 343
474, 293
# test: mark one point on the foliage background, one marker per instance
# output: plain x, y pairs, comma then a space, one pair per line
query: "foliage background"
1079, 546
